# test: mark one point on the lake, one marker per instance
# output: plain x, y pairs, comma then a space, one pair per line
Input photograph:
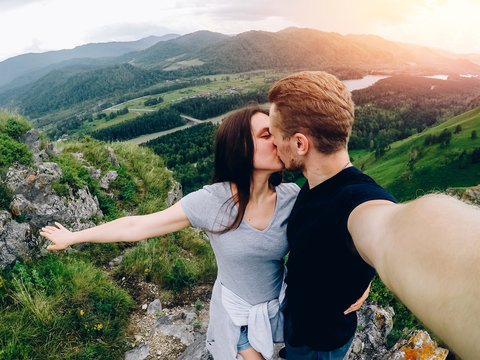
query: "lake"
358, 84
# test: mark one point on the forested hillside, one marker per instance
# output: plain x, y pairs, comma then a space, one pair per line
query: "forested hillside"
444, 156
400, 106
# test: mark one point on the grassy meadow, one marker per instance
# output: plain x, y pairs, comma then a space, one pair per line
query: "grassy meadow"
242, 82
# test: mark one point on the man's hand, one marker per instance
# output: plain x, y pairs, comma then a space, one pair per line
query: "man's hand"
358, 304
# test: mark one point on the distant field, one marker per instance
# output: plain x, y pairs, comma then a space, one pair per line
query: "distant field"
411, 168
242, 83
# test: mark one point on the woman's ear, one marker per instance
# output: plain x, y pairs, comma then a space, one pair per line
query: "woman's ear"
302, 143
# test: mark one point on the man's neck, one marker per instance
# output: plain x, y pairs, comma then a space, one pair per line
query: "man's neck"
320, 167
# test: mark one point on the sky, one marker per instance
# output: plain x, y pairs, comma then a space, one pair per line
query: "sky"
44, 25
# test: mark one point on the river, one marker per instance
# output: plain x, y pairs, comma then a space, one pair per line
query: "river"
351, 85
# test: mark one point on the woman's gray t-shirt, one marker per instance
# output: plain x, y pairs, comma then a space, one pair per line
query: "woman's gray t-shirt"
249, 260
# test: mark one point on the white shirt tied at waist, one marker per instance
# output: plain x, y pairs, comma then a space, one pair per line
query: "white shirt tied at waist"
257, 317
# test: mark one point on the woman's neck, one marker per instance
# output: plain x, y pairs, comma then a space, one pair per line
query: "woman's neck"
260, 187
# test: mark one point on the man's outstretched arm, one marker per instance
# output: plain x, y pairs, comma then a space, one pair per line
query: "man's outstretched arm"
428, 253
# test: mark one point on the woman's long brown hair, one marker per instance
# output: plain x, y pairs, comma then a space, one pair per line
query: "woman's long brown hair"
234, 149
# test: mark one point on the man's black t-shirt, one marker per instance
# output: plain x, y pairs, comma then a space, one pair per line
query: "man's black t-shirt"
325, 272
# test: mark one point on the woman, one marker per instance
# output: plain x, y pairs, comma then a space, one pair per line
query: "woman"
244, 213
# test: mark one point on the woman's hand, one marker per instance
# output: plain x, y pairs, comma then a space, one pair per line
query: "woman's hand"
61, 237
358, 304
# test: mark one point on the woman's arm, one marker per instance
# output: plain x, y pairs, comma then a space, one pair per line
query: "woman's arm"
129, 228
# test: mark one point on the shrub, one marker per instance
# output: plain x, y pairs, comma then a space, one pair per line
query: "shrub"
476, 156
11, 151
13, 125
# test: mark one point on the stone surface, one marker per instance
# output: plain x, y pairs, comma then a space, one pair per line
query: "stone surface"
174, 194
35, 204
419, 346
374, 324
113, 157
34, 143
155, 307
139, 353
16, 240
107, 179
472, 195
197, 350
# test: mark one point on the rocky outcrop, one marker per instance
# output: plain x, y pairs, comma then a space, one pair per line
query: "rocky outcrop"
175, 194
107, 179
472, 195
36, 204
418, 346
374, 324
34, 143
36, 200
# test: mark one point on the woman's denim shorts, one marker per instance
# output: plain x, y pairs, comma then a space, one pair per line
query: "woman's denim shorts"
243, 343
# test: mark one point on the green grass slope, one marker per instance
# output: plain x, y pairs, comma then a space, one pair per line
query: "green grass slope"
410, 167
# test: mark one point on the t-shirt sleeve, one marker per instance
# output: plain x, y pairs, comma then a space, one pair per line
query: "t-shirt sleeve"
196, 207
356, 195
206, 208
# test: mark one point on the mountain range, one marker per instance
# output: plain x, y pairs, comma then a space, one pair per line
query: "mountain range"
100, 71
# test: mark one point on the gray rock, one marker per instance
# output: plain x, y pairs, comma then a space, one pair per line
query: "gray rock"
113, 157
35, 198
94, 172
174, 194
107, 179
197, 350
34, 142
175, 326
182, 331
190, 317
472, 195
5, 217
116, 261
16, 240
164, 320
139, 353
374, 325
155, 307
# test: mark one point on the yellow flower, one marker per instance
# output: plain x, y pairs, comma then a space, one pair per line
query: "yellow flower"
82, 312
98, 327
147, 270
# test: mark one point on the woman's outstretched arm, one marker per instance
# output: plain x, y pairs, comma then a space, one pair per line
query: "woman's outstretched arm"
129, 228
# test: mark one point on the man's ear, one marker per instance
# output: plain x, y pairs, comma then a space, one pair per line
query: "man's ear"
302, 143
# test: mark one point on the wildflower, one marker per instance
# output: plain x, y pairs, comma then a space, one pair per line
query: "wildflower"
147, 270
82, 312
98, 327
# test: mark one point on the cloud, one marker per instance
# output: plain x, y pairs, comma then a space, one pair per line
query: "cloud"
125, 32
6, 5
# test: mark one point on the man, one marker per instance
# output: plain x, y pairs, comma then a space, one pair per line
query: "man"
344, 226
